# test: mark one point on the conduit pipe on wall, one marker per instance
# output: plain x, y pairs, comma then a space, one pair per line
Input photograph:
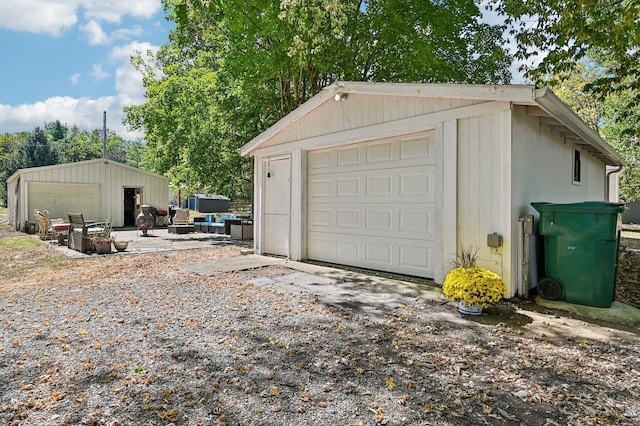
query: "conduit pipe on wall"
526, 230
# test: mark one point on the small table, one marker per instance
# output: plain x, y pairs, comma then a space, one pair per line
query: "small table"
62, 229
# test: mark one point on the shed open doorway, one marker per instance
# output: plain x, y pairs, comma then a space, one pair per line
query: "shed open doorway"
132, 201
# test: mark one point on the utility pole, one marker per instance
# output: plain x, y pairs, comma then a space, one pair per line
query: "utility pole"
104, 134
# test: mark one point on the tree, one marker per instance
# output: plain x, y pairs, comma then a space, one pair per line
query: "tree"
36, 150
56, 144
231, 69
569, 30
8, 160
571, 87
600, 37
616, 118
56, 131
79, 145
621, 128
23, 150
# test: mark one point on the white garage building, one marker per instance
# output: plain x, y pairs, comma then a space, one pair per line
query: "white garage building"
101, 189
396, 177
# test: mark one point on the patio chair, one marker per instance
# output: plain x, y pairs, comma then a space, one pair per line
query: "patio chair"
80, 232
181, 217
45, 230
180, 224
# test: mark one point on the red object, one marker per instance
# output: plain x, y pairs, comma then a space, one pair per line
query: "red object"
161, 213
60, 226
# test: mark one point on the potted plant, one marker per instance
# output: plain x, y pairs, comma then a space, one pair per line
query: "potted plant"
120, 245
472, 286
101, 238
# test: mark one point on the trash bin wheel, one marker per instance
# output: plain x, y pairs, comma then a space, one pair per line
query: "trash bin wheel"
549, 289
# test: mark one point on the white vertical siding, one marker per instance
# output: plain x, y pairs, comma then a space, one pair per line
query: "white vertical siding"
111, 176
543, 171
481, 191
543, 167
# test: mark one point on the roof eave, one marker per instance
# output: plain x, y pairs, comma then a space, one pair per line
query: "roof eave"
549, 102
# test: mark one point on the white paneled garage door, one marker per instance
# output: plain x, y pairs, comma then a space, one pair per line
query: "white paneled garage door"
62, 198
372, 205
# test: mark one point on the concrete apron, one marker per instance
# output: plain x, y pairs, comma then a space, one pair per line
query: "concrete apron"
157, 240
364, 294
333, 286
368, 293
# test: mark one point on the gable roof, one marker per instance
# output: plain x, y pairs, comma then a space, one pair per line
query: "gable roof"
540, 102
82, 163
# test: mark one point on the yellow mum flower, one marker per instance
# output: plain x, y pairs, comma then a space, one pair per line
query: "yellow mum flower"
474, 285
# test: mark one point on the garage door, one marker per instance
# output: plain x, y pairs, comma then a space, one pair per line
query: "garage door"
372, 205
62, 198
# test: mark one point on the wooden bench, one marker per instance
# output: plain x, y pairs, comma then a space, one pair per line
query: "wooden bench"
80, 232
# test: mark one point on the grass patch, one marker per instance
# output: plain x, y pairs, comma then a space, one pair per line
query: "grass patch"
15, 243
25, 256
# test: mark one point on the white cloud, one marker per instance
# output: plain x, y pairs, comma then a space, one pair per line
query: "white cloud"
54, 16
128, 79
113, 10
95, 34
38, 16
98, 73
84, 112
126, 33
75, 79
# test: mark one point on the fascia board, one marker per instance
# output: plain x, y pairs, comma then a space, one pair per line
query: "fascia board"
487, 92
548, 101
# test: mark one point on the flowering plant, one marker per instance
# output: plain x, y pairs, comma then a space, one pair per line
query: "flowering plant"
471, 283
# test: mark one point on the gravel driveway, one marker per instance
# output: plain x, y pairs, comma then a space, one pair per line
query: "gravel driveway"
131, 340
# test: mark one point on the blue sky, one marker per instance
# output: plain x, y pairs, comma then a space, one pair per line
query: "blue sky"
68, 60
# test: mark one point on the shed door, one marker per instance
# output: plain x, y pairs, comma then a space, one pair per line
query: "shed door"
372, 205
277, 205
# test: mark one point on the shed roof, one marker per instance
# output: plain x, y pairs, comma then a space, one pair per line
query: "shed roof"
81, 163
539, 101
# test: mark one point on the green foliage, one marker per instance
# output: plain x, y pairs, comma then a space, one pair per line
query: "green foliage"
570, 86
36, 150
231, 69
572, 29
58, 144
8, 161
616, 117
621, 129
56, 130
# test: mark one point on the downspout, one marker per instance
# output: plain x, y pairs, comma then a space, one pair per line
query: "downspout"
606, 182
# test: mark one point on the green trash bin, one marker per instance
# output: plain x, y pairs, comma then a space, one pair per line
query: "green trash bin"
581, 243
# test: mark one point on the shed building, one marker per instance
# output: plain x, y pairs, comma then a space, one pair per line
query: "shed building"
396, 177
101, 189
